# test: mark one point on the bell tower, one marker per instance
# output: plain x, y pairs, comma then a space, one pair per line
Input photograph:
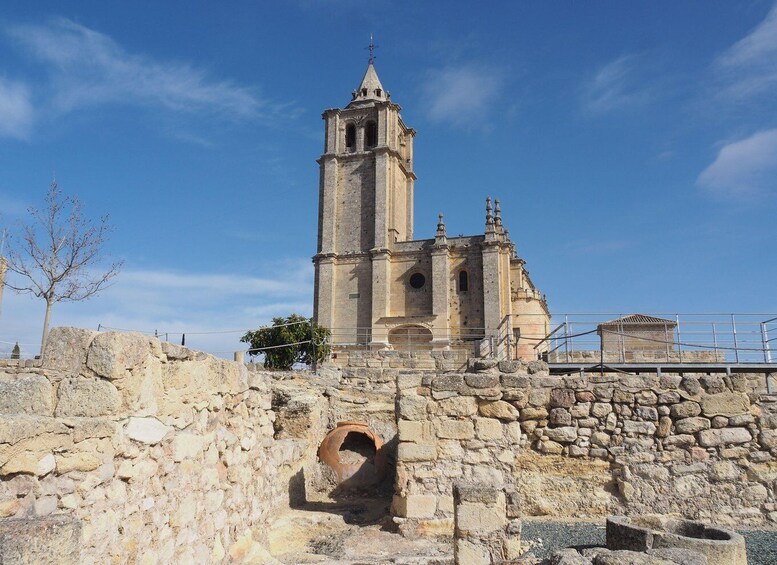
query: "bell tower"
365, 206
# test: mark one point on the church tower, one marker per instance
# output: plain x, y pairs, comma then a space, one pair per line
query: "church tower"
375, 285
365, 207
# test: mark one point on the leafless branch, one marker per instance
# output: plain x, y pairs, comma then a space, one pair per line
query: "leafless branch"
56, 254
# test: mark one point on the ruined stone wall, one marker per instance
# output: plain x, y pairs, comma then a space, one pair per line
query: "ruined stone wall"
704, 446
161, 453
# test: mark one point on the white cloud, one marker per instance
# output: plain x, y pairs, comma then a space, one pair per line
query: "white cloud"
744, 168
16, 111
172, 303
749, 67
616, 85
462, 96
88, 68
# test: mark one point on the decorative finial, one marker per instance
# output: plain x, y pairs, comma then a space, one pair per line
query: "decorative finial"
498, 213
441, 227
371, 48
489, 211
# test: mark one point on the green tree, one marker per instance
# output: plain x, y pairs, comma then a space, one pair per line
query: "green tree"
287, 341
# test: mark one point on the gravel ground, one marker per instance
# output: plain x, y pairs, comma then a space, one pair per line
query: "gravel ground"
761, 544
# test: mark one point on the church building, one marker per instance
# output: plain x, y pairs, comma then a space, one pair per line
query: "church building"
376, 286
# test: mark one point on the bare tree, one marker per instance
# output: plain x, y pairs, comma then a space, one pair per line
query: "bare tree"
57, 252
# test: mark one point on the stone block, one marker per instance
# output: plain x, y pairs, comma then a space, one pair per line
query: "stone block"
680, 440
510, 366
565, 434
560, 417
87, 397
458, 406
664, 426
646, 413
410, 452
454, 382
562, 397
26, 394
768, 439
146, 430
581, 410
475, 518
498, 409
644, 428
186, 446
725, 404
410, 431
691, 425
686, 409
112, 354
724, 436
66, 349
79, 461
601, 409
469, 553
415, 506
539, 397
407, 381
481, 380
532, 413
515, 381
455, 429
412, 407
54, 539
488, 429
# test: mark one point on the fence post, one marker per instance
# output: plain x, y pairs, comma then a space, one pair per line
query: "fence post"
734, 333
313, 347
679, 338
765, 341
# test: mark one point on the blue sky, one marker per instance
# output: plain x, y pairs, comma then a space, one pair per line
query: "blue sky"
633, 145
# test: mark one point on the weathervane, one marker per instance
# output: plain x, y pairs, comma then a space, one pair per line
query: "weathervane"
372, 48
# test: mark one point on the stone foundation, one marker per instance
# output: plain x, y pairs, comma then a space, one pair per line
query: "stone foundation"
703, 446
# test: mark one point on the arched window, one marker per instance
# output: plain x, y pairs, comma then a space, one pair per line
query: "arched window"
463, 281
370, 134
350, 136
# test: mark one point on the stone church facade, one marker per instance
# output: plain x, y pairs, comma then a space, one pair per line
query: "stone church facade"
376, 286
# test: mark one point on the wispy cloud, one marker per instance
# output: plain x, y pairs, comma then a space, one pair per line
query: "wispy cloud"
618, 84
749, 67
16, 110
462, 95
213, 310
745, 168
87, 68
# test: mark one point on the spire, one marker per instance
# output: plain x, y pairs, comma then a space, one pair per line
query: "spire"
440, 226
441, 237
370, 87
489, 217
498, 217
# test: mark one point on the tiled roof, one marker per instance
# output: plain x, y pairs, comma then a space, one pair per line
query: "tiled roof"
639, 319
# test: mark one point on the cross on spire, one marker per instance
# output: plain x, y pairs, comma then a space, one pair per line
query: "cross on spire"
371, 47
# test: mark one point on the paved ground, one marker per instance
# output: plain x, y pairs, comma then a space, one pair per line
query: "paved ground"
549, 535
362, 533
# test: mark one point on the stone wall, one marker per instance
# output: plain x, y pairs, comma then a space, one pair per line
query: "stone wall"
704, 446
160, 453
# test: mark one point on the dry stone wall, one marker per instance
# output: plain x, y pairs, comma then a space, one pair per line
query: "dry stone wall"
159, 453
704, 446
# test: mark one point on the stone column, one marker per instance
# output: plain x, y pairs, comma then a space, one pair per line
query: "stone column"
381, 271
323, 300
482, 533
440, 296
492, 312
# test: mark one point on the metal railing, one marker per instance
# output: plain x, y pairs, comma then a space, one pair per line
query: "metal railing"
682, 338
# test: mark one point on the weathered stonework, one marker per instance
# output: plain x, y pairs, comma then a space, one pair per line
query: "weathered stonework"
589, 445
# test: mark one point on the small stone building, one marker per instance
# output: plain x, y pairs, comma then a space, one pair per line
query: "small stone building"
375, 286
637, 333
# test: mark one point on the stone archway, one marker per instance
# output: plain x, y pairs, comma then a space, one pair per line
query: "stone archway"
410, 337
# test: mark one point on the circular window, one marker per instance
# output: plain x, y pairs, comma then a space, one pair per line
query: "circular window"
417, 280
